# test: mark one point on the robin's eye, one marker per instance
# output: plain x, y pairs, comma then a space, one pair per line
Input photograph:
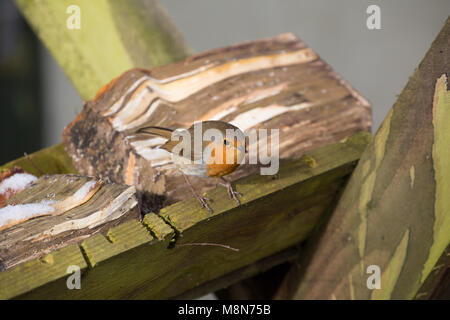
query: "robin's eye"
225, 142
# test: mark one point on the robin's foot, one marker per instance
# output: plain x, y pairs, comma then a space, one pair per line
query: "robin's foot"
204, 202
233, 194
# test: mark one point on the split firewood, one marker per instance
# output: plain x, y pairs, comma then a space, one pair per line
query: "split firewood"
275, 83
58, 210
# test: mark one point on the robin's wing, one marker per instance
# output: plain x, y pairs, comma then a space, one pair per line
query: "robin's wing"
165, 133
157, 131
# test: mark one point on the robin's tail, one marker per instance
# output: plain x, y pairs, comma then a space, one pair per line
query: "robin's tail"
157, 131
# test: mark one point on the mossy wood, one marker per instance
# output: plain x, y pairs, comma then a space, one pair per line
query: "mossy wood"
185, 246
113, 36
395, 211
51, 160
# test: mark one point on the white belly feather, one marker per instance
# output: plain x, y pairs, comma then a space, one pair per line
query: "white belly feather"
190, 168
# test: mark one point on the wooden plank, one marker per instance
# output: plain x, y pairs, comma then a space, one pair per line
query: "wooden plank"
277, 212
395, 211
51, 160
114, 36
51, 268
275, 83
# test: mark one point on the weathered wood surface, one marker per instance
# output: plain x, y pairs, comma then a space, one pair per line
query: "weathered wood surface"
395, 211
114, 36
276, 83
51, 267
70, 209
159, 258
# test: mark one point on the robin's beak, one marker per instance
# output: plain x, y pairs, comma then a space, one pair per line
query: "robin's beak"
246, 145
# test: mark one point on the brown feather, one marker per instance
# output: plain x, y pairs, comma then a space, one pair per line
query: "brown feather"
157, 131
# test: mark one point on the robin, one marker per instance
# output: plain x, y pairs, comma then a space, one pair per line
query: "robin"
219, 154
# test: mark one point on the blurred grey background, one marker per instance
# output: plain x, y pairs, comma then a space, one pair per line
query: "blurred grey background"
375, 62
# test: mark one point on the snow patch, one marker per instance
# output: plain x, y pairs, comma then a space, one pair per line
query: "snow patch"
15, 213
84, 190
16, 183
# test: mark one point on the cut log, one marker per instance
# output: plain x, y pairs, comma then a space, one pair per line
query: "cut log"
395, 211
274, 83
58, 210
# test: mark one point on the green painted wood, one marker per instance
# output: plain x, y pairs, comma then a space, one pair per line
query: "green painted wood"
157, 227
395, 211
51, 160
51, 268
118, 240
114, 36
276, 213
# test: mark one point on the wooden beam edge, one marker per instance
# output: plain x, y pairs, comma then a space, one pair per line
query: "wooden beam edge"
185, 214
33, 274
51, 160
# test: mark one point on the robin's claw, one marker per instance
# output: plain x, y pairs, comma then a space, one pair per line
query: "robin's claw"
204, 203
233, 194
202, 200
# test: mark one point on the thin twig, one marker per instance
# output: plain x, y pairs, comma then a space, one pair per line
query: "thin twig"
206, 244
33, 164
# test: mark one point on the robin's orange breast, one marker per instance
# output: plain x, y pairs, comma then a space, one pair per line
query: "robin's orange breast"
221, 165
219, 170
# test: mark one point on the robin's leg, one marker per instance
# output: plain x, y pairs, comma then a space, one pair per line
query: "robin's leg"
231, 192
201, 199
